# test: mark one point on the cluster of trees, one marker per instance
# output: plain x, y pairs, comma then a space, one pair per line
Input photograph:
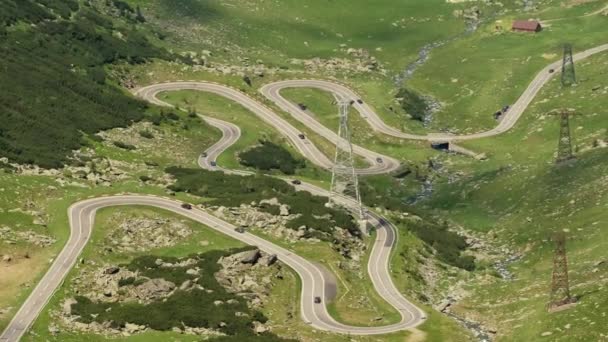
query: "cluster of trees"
193, 308
53, 78
232, 191
269, 156
413, 103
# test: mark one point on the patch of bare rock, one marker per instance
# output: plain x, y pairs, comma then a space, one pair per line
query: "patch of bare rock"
144, 233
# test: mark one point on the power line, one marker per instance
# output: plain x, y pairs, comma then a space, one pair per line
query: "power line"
344, 181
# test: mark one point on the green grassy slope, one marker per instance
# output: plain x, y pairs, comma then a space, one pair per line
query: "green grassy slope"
520, 198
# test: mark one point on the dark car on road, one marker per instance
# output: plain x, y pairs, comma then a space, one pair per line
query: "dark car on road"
301, 136
379, 160
296, 182
302, 106
213, 163
317, 300
359, 101
187, 206
551, 71
239, 229
204, 154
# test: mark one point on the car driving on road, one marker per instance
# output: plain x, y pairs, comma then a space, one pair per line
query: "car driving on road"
301, 136
317, 300
296, 182
213, 163
379, 160
187, 206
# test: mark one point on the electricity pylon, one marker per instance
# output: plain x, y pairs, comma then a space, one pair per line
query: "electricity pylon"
344, 180
568, 74
560, 287
564, 146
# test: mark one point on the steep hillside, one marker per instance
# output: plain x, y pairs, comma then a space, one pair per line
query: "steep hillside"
54, 82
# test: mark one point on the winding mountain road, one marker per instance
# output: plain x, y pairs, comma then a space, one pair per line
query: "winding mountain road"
82, 214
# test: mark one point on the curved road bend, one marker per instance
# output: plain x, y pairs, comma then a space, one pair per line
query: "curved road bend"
82, 215
305, 146
273, 92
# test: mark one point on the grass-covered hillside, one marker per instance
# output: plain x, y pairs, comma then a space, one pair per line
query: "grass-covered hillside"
55, 90
519, 198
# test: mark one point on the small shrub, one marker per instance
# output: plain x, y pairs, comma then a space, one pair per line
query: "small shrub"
126, 281
145, 178
146, 134
124, 146
269, 156
414, 104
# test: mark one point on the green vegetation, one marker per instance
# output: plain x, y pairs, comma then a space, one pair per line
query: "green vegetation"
146, 134
124, 146
194, 308
414, 104
477, 75
519, 198
54, 81
447, 244
253, 130
269, 156
234, 190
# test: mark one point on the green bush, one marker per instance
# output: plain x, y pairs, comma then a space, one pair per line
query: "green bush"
413, 104
447, 244
145, 178
146, 134
126, 281
270, 208
269, 156
124, 146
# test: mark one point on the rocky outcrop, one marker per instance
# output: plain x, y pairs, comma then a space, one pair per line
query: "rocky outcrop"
141, 234
11, 237
249, 274
154, 289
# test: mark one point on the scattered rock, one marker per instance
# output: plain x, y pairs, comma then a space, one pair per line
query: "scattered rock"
284, 210
112, 270
67, 306
185, 285
133, 328
53, 329
155, 288
260, 328
250, 257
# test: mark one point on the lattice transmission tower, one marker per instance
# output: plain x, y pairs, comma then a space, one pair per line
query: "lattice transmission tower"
560, 287
344, 181
564, 146
568, 74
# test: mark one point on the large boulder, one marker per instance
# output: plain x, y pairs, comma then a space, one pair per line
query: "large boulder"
155, 288
284, 210
111, 270
250, 257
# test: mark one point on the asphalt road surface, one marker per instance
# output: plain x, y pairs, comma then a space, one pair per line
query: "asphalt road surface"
314, 283
272, 91
304, 146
